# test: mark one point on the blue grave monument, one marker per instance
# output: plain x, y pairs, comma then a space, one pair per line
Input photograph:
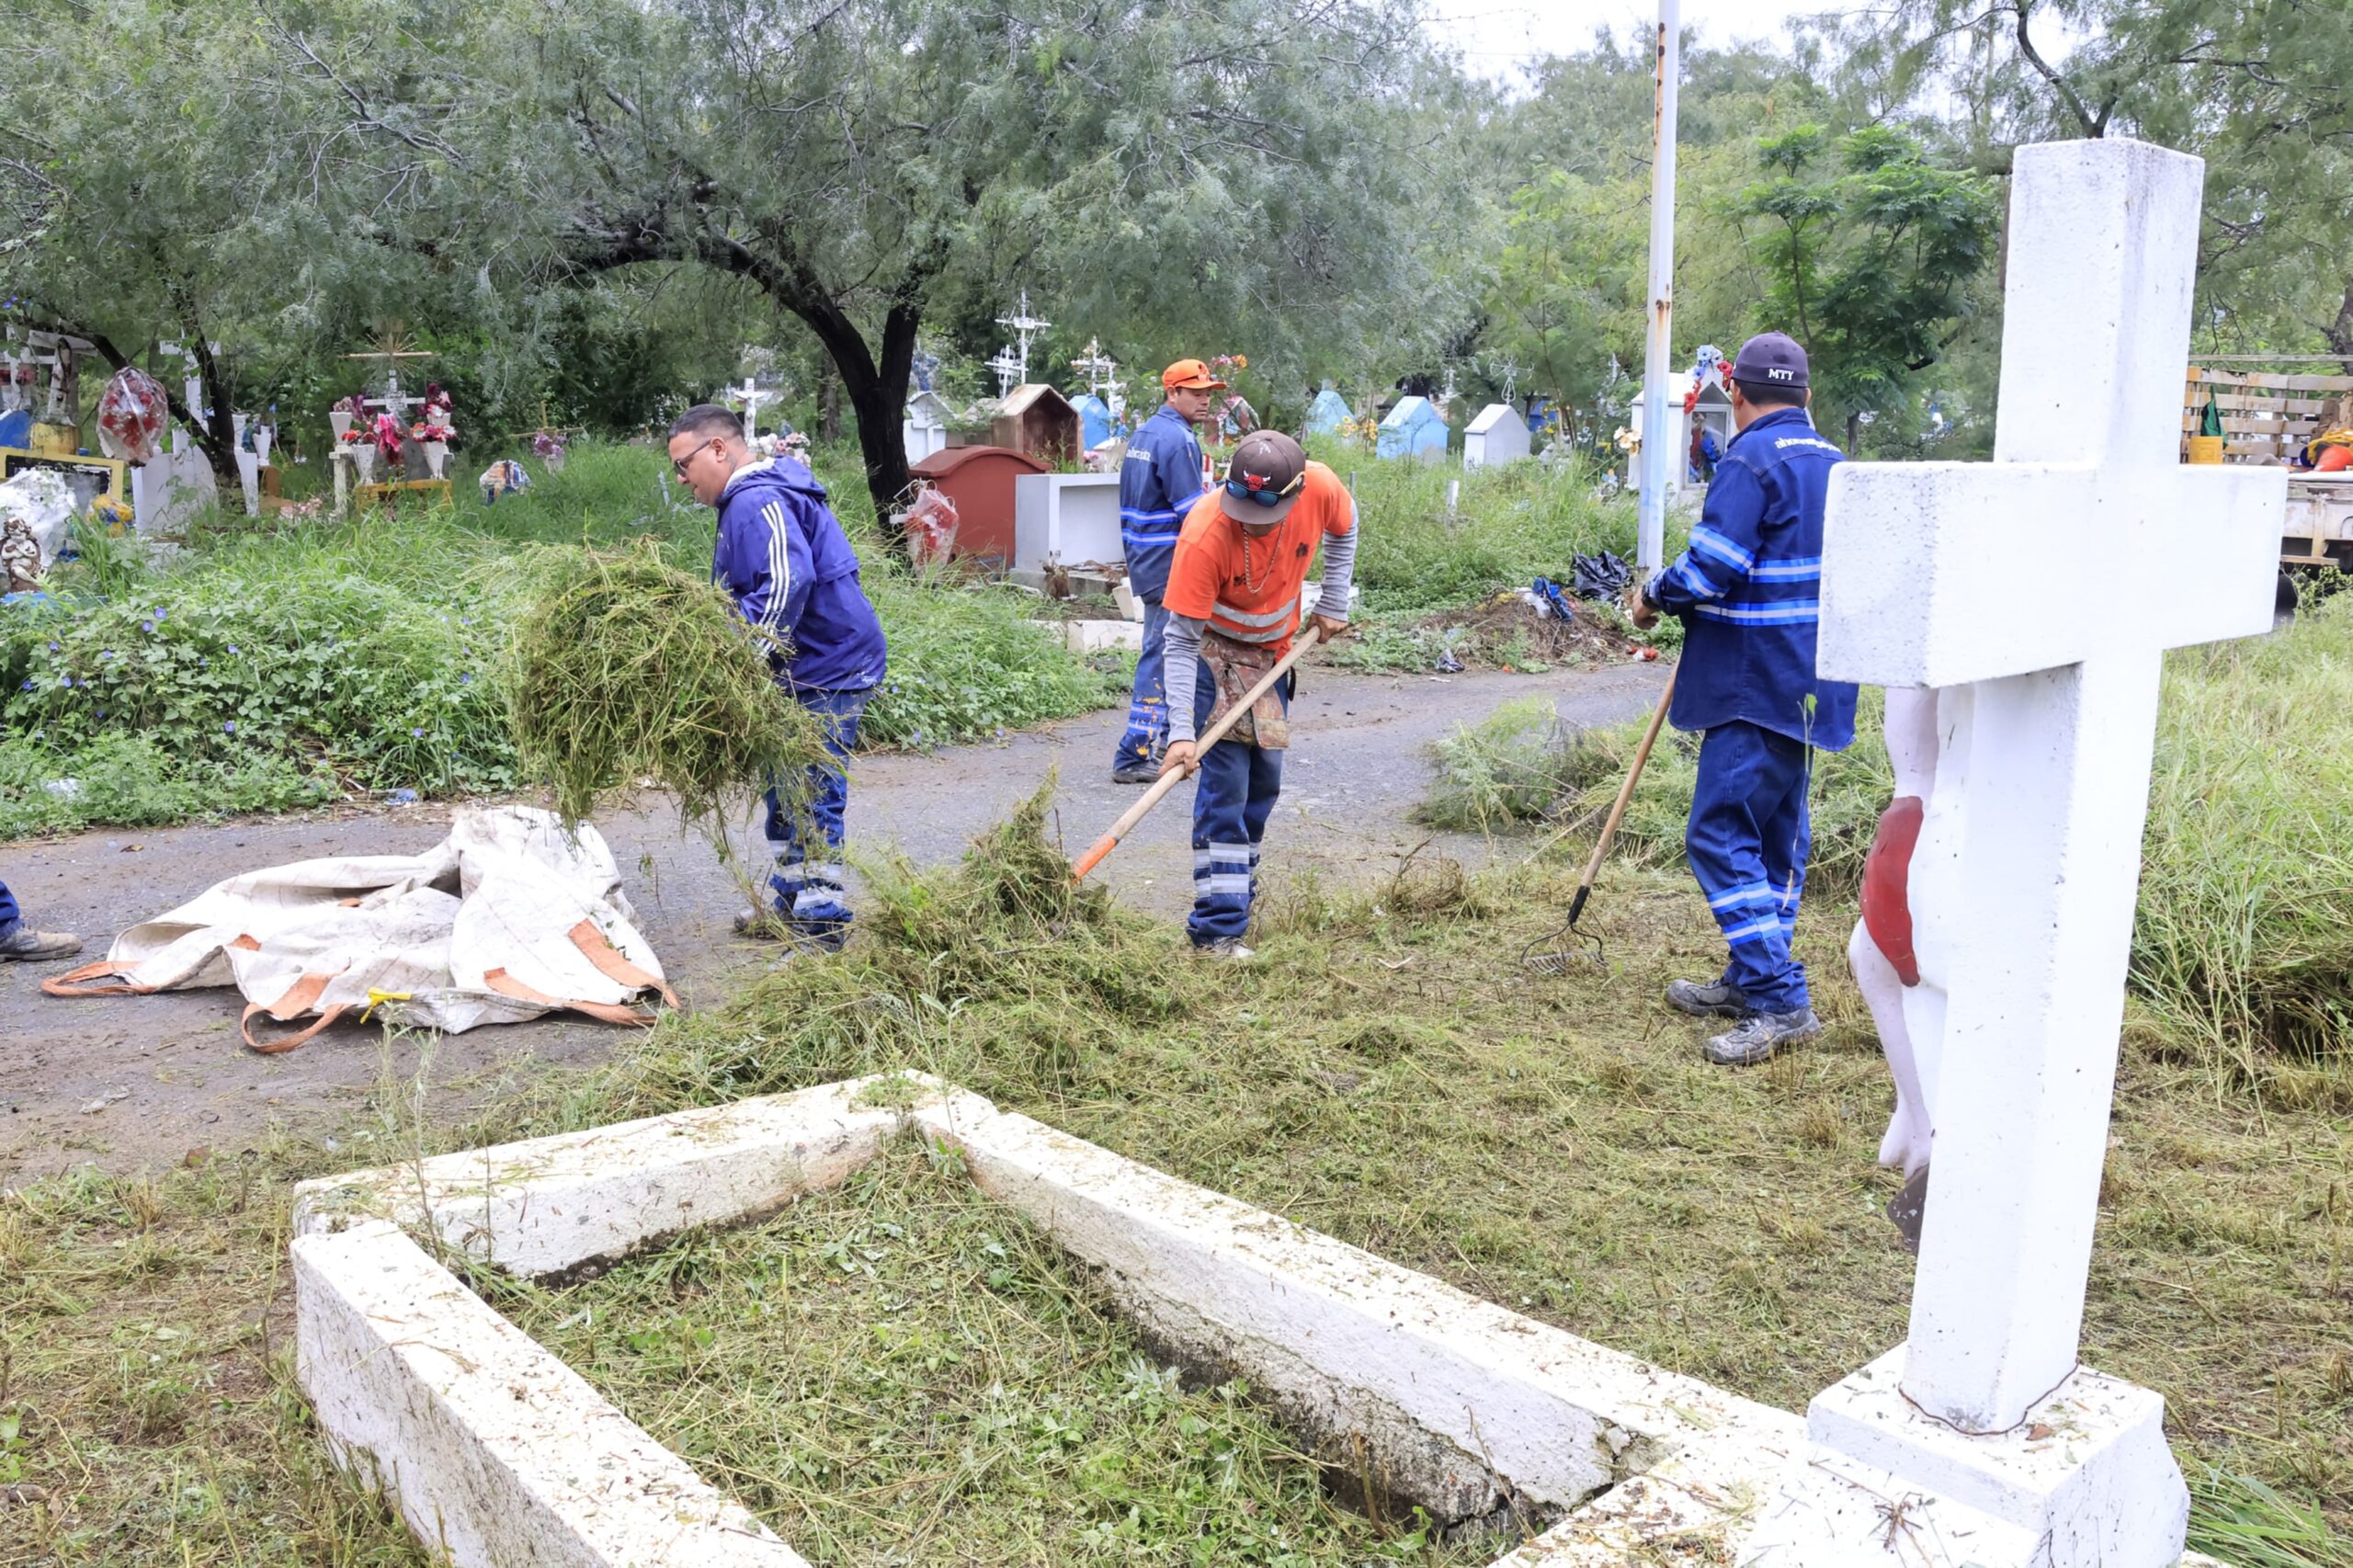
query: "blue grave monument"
1414, 428
1325, 414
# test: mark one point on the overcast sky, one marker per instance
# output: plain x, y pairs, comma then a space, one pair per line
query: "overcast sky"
1495, 36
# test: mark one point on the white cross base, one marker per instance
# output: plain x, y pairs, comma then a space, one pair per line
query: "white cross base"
2046, 584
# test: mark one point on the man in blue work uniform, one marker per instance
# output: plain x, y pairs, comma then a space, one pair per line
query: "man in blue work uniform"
1159, 480
21, 943
1748, 591
782, 556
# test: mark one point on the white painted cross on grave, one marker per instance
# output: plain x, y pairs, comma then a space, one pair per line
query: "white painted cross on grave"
2049, 583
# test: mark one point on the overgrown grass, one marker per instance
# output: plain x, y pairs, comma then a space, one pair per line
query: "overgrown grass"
1509, 768
311, 662
2243, 945
900, 1370
1384, 1074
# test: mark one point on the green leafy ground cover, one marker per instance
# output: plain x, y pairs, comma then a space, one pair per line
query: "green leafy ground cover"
298, 664
1386, 1074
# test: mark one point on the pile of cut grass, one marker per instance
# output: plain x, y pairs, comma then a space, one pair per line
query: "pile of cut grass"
899, 1370
625, 669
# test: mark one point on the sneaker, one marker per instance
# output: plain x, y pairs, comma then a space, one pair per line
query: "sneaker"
1759, 1035
751, 921
1136, 773
1232, 951
1707, 999
24, 945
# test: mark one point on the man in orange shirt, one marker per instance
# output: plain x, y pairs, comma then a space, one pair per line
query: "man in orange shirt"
1234, 602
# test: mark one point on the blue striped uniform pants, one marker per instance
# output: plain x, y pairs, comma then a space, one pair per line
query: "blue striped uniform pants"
805, 883
1234, 794
1147, 731
1748, 839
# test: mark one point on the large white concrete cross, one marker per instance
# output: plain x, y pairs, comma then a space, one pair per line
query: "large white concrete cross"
2052, 580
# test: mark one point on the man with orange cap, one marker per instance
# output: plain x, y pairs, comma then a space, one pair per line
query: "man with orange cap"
1159, 479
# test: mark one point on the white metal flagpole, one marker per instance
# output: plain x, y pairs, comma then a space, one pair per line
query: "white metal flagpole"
1658, 449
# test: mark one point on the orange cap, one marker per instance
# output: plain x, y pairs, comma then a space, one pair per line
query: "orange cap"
1192, 374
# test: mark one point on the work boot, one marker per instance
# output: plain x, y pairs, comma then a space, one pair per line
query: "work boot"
1707, 999
1136, 773
1759, 1035
1232, 949
24, 945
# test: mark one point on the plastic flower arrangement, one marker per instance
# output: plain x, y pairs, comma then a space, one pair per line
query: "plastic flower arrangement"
356, 406
547, 444
389, 435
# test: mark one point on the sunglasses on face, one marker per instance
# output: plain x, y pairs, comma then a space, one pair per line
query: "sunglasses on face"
1242, 490
679, 465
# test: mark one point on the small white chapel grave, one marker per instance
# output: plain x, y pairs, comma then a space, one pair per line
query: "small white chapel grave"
1496, 436
2047, 715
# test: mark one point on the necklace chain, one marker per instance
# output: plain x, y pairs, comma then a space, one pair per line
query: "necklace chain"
1249, 579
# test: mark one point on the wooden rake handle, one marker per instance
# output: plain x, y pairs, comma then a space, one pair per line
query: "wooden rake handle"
1169, 781
1625, 793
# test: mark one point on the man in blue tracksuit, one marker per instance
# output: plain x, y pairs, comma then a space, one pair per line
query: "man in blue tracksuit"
782, 556
1748, 591
20, 942
1159, 480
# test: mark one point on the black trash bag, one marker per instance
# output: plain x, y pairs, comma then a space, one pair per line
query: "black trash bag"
1602, 576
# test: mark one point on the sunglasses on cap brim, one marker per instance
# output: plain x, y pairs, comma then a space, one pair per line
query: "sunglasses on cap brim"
1241, 491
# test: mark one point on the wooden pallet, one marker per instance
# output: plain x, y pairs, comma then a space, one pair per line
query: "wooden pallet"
2267, 417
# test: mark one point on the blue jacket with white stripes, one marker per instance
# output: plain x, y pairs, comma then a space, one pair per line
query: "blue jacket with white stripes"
783, 557
1159, 480
1749, 590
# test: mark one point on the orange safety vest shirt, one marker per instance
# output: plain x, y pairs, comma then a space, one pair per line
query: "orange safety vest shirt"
1248, 588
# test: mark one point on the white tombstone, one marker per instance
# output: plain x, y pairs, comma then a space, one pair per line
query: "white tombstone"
925, 426
1928, 582
1497, 436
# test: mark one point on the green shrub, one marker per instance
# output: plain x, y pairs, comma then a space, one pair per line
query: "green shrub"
966, 664
1510, 768
1512, 525
277, 663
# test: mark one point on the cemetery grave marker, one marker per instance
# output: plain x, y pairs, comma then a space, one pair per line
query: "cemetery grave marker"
1937, 576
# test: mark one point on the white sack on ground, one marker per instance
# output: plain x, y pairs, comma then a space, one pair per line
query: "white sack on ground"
508, 918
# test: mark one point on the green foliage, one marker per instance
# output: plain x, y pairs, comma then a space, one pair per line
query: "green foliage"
966, 664
627, 669
1514, 523
1509, 768
2241, 1521
1868, 252
290, 665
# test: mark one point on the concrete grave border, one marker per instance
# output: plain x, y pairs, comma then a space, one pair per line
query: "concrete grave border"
496, 1453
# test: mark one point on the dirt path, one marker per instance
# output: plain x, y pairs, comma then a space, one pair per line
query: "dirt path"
133, 1082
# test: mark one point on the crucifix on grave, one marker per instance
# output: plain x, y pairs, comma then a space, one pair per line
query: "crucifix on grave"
1024, 326
751, 396
1010, 369
2037, 595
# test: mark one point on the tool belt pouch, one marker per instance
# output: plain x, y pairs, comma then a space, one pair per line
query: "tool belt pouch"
1239, 666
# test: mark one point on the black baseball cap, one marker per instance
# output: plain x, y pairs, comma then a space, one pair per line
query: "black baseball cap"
1770, 360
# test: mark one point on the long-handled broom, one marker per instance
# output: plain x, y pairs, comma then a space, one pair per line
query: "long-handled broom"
1554, 960
1170, 779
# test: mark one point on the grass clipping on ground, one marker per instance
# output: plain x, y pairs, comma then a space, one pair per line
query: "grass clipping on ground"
901, 1371
625, 669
